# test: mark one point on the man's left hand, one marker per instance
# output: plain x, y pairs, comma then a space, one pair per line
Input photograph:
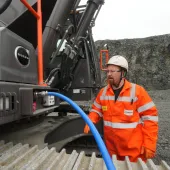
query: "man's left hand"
147, 153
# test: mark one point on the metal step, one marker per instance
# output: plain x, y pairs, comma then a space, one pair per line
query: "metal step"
24, 157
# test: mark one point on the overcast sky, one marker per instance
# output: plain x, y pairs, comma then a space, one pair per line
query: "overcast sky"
119, 19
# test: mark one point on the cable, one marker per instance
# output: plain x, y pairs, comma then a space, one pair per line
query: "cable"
52, 71
99, 141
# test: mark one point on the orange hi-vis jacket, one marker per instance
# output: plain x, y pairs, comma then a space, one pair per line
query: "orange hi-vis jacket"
130, 122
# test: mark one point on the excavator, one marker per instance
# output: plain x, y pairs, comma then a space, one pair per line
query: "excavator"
49, 46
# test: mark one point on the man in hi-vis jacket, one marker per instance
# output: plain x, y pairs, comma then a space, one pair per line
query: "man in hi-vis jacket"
129, 115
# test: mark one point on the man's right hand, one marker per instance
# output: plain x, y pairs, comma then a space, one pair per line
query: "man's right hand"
93, 119
86, 129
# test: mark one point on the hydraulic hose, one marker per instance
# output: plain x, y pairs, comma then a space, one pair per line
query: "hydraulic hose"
99, 141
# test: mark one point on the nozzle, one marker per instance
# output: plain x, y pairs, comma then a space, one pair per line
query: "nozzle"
41, 94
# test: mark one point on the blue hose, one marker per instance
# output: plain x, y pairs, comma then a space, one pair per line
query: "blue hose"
99, 141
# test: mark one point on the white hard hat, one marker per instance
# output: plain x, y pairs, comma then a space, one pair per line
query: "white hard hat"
118, 61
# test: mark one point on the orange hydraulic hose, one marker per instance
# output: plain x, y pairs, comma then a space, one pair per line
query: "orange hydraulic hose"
38, 15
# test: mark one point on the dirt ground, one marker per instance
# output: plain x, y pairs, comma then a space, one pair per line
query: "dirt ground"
162, 100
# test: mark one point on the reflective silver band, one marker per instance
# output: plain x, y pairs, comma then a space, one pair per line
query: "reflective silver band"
121, 125
99, 113
107, 97
104, 91
124, 98
97, 105
152, 118
133, 91
127, 99
146, 107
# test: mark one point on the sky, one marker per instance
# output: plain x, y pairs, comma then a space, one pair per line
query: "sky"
119, 19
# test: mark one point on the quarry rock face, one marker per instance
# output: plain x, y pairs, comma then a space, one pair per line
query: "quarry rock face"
148, 58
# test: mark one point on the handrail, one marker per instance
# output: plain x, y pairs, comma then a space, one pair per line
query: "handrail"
38, 15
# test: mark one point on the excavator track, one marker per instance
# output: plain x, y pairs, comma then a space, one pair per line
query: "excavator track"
24, 157
87, 144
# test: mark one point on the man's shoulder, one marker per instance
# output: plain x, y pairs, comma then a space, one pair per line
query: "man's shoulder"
104, 88
139, 87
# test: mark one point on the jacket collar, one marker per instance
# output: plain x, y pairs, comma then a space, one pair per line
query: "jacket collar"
127, 85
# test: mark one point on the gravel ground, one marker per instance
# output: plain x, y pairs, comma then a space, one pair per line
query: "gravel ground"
162, 100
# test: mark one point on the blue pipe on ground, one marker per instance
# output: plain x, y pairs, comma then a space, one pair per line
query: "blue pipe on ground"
99, 141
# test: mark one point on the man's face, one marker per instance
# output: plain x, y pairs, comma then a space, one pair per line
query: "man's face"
113, 75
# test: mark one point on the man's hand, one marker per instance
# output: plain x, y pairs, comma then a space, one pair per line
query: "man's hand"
147, 153
93, 119
86, 129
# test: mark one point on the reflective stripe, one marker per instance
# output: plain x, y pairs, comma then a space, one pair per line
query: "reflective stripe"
127, 99
121, 125
107, 97
146, 107
97, 105
99, 113
133, 91
124, 98
152, 118
104, 91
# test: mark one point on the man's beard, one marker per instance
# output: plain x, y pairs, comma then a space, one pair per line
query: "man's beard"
112, 82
